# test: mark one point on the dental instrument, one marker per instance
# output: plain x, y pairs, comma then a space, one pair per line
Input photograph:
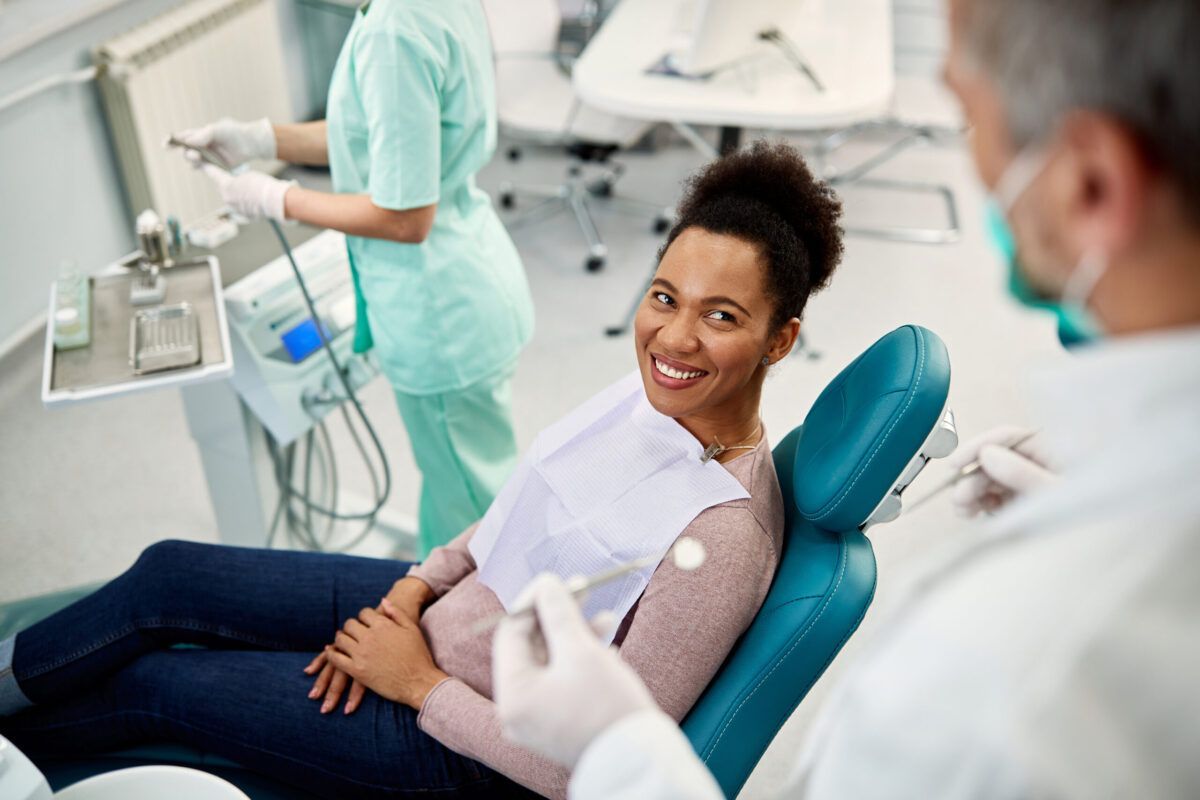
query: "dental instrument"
687, 553
965, 472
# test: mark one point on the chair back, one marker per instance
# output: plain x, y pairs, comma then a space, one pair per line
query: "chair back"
859, 440
525, 27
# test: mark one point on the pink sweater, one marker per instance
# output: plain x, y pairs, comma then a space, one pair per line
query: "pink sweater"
676, 636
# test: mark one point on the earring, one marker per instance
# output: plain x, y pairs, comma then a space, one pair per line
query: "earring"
766, 361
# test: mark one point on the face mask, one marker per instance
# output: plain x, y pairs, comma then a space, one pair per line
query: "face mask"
1076, 324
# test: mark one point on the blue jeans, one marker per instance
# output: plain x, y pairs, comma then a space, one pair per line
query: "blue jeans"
103, 675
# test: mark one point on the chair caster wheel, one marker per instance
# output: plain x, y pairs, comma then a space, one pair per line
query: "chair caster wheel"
601, 189
662, 225
508, 201
594, 263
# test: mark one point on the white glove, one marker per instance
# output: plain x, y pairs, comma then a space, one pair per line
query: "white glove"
1004, 473
251, 194
235, 142
556, 695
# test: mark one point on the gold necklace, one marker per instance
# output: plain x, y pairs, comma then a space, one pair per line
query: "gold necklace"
716, 448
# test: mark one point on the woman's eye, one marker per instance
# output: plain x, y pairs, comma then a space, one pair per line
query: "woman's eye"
722, 316
663, 298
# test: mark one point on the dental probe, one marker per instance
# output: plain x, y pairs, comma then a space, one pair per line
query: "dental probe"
687, 553
965, 472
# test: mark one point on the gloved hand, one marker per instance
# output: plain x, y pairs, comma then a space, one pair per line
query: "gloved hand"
235, 142
1004, 473
556, 695
251, 194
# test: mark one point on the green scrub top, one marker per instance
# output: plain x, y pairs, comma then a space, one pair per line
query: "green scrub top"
411, 118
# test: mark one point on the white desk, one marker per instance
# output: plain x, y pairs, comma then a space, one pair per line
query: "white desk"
848, 43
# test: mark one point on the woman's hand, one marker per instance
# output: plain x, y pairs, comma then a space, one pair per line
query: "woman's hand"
386, 652
331, 682
409, 596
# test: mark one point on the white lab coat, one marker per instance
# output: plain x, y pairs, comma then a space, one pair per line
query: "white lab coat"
1054, 655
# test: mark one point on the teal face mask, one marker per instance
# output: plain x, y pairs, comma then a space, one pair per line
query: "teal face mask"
1076, 325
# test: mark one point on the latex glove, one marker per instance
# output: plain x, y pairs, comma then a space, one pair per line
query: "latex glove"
250, 194
557, 692
1004, 472
235, 142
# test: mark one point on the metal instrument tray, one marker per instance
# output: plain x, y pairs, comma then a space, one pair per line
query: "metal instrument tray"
103, 368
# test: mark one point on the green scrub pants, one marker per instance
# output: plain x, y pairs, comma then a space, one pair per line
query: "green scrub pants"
464, 445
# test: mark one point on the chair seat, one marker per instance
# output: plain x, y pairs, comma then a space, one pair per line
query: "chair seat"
536, 103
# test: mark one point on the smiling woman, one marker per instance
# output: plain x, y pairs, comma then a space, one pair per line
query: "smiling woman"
674, 449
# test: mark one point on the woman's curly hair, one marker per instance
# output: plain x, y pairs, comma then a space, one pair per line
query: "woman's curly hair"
765, 195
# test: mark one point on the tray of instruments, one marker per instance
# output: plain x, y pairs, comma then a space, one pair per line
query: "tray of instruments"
182, 339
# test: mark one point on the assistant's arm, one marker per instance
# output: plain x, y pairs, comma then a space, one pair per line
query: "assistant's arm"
302, 143
398, 79
357, 215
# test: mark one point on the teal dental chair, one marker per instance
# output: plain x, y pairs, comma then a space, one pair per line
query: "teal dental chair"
865, 439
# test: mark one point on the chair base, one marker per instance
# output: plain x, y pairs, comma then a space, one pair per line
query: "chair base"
576, 196
911, 135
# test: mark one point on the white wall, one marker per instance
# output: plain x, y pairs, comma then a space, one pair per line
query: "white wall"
60, 188
920, 35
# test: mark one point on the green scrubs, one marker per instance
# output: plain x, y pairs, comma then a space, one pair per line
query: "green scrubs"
411, 118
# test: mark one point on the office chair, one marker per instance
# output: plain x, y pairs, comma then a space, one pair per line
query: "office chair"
869, 434
920, 115
536, 104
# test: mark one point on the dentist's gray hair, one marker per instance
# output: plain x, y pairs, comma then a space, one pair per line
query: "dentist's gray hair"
1138, 60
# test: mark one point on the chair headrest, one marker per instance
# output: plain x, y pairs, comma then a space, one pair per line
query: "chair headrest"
867, 425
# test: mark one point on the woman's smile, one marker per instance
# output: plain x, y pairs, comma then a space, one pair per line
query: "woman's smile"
672, 374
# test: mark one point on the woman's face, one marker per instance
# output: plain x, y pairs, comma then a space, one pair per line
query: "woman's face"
705, 325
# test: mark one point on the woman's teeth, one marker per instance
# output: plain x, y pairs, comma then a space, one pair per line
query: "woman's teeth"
671, 372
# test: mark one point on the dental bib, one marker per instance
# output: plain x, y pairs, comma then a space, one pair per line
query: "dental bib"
612, 482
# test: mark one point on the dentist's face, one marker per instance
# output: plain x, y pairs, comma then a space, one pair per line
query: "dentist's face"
704, 326
1042, 218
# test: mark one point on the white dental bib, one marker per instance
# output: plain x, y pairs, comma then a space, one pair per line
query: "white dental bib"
611, 482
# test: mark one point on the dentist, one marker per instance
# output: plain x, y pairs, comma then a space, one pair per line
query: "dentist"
1056, 655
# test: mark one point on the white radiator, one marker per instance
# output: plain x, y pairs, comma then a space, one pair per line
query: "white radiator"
204, 60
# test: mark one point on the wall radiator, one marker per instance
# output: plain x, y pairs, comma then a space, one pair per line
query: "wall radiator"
192, 65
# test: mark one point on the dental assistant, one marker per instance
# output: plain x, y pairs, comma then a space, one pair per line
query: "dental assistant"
1054, 653
442, 297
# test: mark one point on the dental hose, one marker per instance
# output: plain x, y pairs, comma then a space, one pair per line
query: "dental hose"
343, 378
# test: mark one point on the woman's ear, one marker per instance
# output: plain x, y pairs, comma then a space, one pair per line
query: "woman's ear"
784, 340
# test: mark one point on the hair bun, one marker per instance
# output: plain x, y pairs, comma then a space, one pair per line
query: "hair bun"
765, 194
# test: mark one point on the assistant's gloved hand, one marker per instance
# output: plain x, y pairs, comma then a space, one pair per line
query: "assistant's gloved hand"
235, 142
251, 194
1004, 472
557, 691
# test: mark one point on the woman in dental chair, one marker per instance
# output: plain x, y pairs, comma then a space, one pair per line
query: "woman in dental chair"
397, 702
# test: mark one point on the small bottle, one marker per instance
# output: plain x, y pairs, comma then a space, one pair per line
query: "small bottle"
72, 309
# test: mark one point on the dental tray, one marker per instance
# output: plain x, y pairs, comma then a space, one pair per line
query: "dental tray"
162, 338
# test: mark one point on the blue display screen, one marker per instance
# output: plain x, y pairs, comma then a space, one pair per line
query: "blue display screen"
303, 340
